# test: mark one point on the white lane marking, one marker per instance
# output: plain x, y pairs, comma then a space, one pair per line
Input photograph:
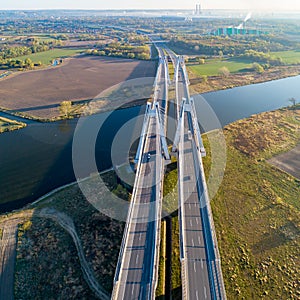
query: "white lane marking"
197, 297
189, 205
132, 289
194, 267
193, 242
136, 259
191, 223
202, 263
197, 221
140, 236
205, 292
199, 240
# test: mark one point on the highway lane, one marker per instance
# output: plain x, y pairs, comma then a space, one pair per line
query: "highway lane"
194, 247
138, 262
202, 276
137, 273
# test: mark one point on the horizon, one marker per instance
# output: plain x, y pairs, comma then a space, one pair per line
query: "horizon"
255, 5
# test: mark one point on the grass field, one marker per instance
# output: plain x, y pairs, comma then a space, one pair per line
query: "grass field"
47, 56
212, 66
288, 57
257, 212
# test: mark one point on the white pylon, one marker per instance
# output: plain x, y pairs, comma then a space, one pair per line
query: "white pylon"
162, 133
179, 126
143, 133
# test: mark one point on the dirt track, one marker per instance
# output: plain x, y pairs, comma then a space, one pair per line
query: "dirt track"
82, 77
66, 222
7, 258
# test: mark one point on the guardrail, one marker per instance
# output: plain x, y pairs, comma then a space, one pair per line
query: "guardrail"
184, 274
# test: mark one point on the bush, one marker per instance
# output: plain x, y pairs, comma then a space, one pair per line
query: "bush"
258, 68
224, 71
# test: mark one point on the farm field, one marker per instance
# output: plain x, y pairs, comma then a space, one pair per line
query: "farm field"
40, 92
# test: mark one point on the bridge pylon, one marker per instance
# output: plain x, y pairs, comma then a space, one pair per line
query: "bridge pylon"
152, 111
179, 125
143, 133
162, 132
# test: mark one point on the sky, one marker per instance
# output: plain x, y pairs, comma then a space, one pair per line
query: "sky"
285, 5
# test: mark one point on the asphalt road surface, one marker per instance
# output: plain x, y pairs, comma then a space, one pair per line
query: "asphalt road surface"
194, 248
137, 269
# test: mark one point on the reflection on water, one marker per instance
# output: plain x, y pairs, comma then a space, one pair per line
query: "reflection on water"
37, 159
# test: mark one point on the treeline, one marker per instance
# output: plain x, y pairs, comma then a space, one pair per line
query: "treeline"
212, 45
261, 57
35, 46
122, 50
13, 52
18, 64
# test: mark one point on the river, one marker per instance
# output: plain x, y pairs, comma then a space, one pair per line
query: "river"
38, 158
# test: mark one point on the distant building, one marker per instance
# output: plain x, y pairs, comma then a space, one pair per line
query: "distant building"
236, 31
198, 9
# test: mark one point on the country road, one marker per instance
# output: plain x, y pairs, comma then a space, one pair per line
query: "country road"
8, 245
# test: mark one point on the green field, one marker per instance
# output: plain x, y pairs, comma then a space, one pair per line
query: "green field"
47, 56
212, 66
288, 57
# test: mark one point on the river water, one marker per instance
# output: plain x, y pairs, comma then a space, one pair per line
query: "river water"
38, 158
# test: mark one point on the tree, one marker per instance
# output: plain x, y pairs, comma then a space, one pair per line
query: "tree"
65, 108
131, 55
258, 68
204, 78
293, 101
201, 61
224, 71
28, 63
221, 54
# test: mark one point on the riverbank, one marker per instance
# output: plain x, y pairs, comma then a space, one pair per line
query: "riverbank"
256, 210
58, 230
7, 124
200, 84
126, 96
